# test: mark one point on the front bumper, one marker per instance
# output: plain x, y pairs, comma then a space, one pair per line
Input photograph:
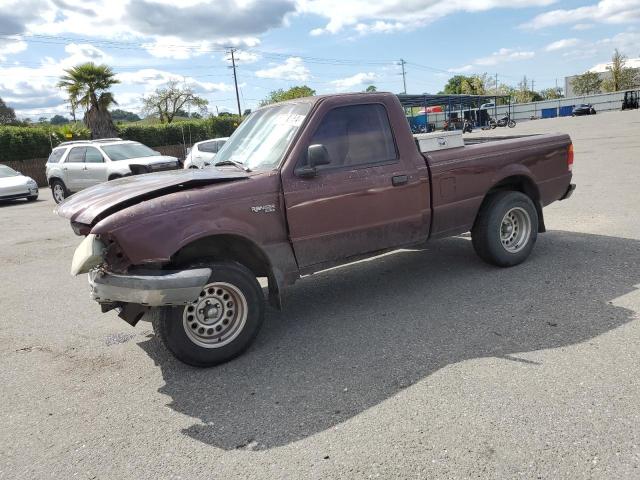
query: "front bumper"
152, 288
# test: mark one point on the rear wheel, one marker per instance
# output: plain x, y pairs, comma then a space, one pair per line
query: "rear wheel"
59, 191
506, 229
220, 324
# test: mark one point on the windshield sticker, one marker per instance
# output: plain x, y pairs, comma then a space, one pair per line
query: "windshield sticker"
293, 119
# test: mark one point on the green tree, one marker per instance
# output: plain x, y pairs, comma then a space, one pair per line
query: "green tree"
7, 114
124, 116
467, 85
87, 85
622, 77
168, 102
246, 112
371, 89
587, 83
281, 95
551, 93
58, 120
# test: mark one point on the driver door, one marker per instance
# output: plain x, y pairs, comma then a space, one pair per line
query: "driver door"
364, 200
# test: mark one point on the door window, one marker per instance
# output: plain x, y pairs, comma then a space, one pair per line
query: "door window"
76, 155
93, 155
56, 155
208, 147
356, 135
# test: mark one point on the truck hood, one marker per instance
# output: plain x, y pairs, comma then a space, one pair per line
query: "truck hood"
92, 204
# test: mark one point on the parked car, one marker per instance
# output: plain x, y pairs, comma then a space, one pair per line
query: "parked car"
202, 153
302, 186
486, 106
74, 166
14, 185
584, 109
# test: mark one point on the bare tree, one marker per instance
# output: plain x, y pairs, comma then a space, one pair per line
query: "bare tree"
166, 102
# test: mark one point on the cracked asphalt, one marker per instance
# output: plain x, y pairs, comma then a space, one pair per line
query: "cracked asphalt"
423, 363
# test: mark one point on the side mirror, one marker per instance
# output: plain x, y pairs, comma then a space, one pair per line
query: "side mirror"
316, 155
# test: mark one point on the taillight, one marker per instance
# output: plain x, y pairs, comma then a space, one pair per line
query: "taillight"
570, 157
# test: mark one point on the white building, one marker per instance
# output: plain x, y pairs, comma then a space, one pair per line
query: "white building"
603, 73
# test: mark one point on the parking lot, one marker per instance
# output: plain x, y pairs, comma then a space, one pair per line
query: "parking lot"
426, 363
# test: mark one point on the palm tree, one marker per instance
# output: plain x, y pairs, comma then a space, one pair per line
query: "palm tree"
88, 86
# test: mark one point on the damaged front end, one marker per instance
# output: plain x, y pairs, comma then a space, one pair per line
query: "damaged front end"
133, 293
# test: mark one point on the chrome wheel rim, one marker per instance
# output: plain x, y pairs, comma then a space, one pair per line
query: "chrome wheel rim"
58, 192
515, 229
217, 317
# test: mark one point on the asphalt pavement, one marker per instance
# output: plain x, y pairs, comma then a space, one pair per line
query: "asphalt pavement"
424, 363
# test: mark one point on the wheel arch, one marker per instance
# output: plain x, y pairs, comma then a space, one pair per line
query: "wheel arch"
236, 248
54, 178
519, 183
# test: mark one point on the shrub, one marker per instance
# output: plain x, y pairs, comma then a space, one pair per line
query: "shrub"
191, 131
19, 143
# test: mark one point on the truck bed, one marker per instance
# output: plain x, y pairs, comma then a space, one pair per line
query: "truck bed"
461, 177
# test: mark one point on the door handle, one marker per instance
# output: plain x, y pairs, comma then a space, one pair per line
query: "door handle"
399, 180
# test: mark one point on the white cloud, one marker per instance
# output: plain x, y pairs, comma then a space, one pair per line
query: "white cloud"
582, 26
10, 46
153, 78
392, 15
359, 79
504, 55
605, 11
562, 44
33, 90
242, 57
292, 69
166, 29
379, 26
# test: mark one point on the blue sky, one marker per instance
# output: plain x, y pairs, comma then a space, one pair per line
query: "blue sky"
330, 45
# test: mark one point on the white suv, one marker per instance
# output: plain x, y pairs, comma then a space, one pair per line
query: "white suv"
202, 153
73, 166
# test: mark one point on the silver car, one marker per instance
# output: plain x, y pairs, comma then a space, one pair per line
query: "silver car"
14, 185
74, 166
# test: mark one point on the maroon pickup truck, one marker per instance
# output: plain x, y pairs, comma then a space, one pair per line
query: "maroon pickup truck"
302, 186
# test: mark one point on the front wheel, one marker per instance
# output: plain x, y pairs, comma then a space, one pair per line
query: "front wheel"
59, 191
512, 123
506, 229
220, 324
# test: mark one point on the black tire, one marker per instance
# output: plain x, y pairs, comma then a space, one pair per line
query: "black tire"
32, 198
512, 123
493, 125
114, 177
171, 323
488, 229
55, 184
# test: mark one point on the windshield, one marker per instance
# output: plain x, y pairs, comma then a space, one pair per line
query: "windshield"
7, 172
125, 151
261, 140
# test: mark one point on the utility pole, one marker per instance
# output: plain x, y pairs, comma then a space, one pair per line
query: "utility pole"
235, 78
404, 76
496, 83
533, 83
